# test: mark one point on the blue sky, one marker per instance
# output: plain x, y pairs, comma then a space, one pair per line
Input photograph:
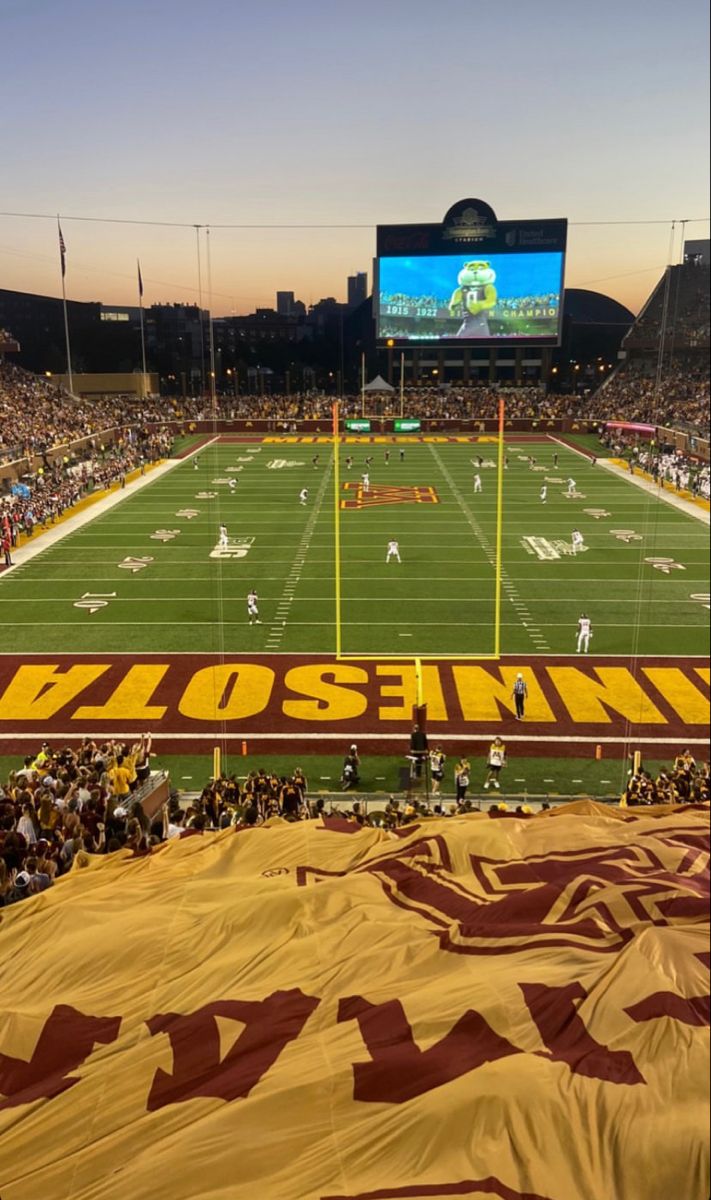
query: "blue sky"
318, 112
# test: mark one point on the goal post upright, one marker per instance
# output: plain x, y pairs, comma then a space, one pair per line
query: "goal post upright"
499, 532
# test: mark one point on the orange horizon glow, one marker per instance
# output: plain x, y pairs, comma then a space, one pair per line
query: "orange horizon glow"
248, 267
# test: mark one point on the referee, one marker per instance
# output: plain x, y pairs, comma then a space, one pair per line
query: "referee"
520, 695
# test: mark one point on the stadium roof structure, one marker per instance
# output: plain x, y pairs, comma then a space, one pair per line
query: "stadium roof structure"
593, 308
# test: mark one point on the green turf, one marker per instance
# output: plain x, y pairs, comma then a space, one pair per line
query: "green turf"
182, 445
587, 441
533, 775
440, 600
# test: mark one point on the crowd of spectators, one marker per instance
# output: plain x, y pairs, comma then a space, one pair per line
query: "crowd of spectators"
682, 471
685, 782
680, 402
61, 804
679, 304
477, 402
44, 495
36, 414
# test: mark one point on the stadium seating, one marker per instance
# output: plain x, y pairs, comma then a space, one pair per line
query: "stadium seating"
59, 803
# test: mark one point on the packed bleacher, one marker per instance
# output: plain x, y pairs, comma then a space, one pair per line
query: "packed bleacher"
681, 471
680, 401
36, 414
678, 306
61, 803
41, 499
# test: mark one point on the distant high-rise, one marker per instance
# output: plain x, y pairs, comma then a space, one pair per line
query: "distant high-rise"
357, 289
285, 303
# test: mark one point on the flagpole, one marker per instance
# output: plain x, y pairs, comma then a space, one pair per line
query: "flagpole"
62, 252
211, 328
202, 324
143, 336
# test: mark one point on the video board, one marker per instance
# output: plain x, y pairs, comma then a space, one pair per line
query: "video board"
471, 280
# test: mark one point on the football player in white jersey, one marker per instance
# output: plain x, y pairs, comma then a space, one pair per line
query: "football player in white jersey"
366, 481
544, 493
393, 551
584, 633
223, 535
303, 495
252, 609
572, 488
578, 541
477, 483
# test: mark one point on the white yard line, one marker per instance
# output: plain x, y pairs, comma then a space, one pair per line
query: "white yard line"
326, 658
530, 629
288, 594
507, 583
281, 618
566, 446
667, 582
220, 735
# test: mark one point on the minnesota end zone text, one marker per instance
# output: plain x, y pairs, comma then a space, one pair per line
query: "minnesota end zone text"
290, 696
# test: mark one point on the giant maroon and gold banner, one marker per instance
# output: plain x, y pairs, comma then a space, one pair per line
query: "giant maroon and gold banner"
473, 1007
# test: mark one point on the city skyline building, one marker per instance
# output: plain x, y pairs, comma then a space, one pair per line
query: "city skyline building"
357, 289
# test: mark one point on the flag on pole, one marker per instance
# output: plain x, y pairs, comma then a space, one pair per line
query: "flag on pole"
62, 250
140, 278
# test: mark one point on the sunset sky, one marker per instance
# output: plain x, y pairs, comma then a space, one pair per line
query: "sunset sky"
325, 113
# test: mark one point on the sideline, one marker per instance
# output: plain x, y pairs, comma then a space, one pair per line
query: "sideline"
91, 507
693, 508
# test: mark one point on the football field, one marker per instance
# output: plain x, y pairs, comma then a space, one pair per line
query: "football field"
150, 576
138, 619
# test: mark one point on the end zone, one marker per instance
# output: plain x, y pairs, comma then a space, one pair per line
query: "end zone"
191, 701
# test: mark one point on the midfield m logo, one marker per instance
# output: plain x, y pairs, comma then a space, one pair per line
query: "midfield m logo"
378, 494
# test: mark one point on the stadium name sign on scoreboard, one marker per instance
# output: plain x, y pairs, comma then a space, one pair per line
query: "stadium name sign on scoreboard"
471, 280
357, 426
403, 425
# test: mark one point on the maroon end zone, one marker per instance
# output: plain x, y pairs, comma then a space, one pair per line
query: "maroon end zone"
312, 704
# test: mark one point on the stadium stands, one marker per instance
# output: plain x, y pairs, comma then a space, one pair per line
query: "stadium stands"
59, 803
56, 487
665, 377
682, 401
678, 308
664, 381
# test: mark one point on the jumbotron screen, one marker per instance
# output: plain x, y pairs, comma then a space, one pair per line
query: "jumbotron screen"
470, 297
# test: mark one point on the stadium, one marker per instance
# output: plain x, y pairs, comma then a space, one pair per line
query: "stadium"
354, 716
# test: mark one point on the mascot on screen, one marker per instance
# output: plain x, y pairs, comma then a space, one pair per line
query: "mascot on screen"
474, 298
